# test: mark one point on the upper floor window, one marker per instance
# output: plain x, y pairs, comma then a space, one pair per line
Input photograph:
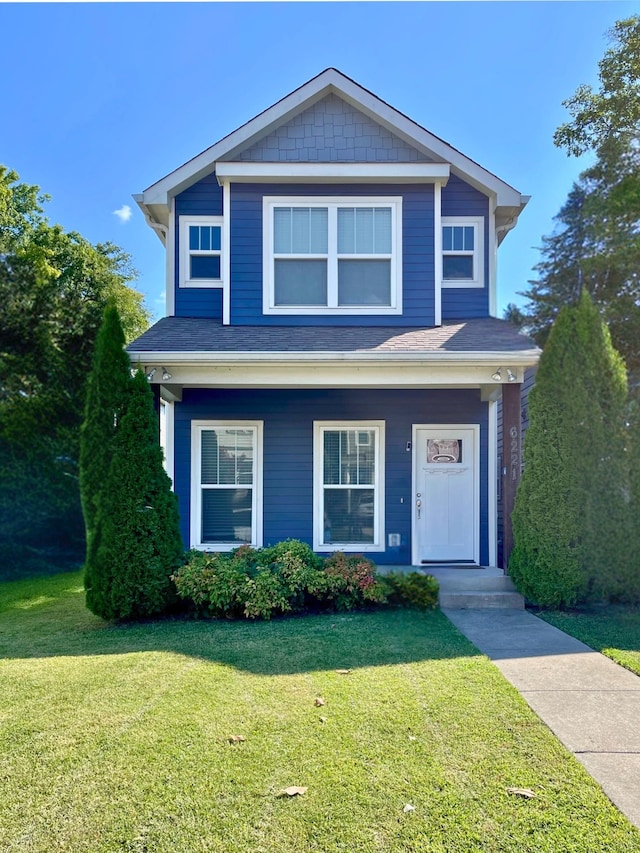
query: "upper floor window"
462, 251
201, 255
338, 256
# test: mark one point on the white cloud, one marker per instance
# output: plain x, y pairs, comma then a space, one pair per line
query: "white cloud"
160, 300
123, 213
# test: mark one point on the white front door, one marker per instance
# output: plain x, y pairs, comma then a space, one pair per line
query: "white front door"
445, 511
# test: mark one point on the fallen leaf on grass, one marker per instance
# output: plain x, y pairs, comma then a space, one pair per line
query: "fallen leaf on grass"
319, 702
412, 737
236, 739
343, 671
409, 808
293, 791
527, 793
323, 719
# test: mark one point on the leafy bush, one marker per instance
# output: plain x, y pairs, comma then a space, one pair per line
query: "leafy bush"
212, 582
287, 577
352, 581
411, 589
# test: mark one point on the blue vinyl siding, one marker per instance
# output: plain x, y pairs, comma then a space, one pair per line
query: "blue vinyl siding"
201, 199
288, 417
461, 199
246, 254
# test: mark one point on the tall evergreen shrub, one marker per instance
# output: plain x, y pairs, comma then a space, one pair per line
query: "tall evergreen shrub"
108, 386
631, 576
570, 514
138, 544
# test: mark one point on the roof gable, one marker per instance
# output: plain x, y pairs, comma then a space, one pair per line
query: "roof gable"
251, 136
332, 130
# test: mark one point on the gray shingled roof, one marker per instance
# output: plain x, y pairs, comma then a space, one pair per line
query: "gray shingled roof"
201, 335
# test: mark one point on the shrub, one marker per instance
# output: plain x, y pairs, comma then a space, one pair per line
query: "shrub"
212, 582
569, 514
137, 539
352, 582
411, 589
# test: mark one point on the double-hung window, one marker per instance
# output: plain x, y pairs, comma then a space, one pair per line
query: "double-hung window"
340, 256
201, 256
349, 486
226, 487
462, 251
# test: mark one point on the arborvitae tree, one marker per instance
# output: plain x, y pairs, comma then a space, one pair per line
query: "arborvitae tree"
137, 539
631, 577
108, 387
570, 515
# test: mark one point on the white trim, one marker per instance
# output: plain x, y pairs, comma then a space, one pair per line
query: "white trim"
334, 173
437, 253
492, 474
170, 262
197, 426
226, 254
185, 252
319, 428
332, 203
475, 428
167, 443
477, 222
332, 81
492, 252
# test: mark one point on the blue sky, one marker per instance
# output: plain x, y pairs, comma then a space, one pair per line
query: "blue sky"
101, 100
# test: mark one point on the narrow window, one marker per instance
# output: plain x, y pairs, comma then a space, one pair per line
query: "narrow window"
201, 257
462, 255
348, 483
226, 482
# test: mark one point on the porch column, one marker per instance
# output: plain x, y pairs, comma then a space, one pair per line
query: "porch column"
511, 462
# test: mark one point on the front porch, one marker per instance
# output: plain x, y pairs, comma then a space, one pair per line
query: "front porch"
469, 588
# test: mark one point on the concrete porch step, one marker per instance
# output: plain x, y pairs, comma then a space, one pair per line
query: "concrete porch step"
481, 600
476, 589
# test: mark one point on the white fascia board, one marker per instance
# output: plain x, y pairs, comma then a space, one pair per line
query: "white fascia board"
291, 173
519, 358
332, 81
327, 375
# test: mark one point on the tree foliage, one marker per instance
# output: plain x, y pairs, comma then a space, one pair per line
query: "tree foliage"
596, 243
570, 518
54, 286
136, 542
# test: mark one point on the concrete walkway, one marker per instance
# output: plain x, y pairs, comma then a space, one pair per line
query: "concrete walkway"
589, 702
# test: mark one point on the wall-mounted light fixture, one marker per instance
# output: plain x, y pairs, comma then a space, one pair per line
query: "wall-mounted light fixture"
497, 376
166, 376
151, 374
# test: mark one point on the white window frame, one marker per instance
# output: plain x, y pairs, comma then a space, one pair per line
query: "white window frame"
186, 252
477, 222
197, 427
319, 429
332, 203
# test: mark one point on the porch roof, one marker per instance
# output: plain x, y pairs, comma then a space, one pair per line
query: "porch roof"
203, 336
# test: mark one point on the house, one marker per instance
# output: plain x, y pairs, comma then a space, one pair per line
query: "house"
330, 363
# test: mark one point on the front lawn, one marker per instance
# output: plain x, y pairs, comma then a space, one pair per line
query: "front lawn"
117, 738
613, 630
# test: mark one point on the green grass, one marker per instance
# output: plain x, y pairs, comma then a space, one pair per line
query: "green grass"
115, 738
613, 630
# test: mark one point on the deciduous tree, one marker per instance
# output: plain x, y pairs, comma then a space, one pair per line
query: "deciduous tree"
54, 286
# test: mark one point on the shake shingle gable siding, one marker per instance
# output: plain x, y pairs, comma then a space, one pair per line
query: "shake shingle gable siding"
196, 334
